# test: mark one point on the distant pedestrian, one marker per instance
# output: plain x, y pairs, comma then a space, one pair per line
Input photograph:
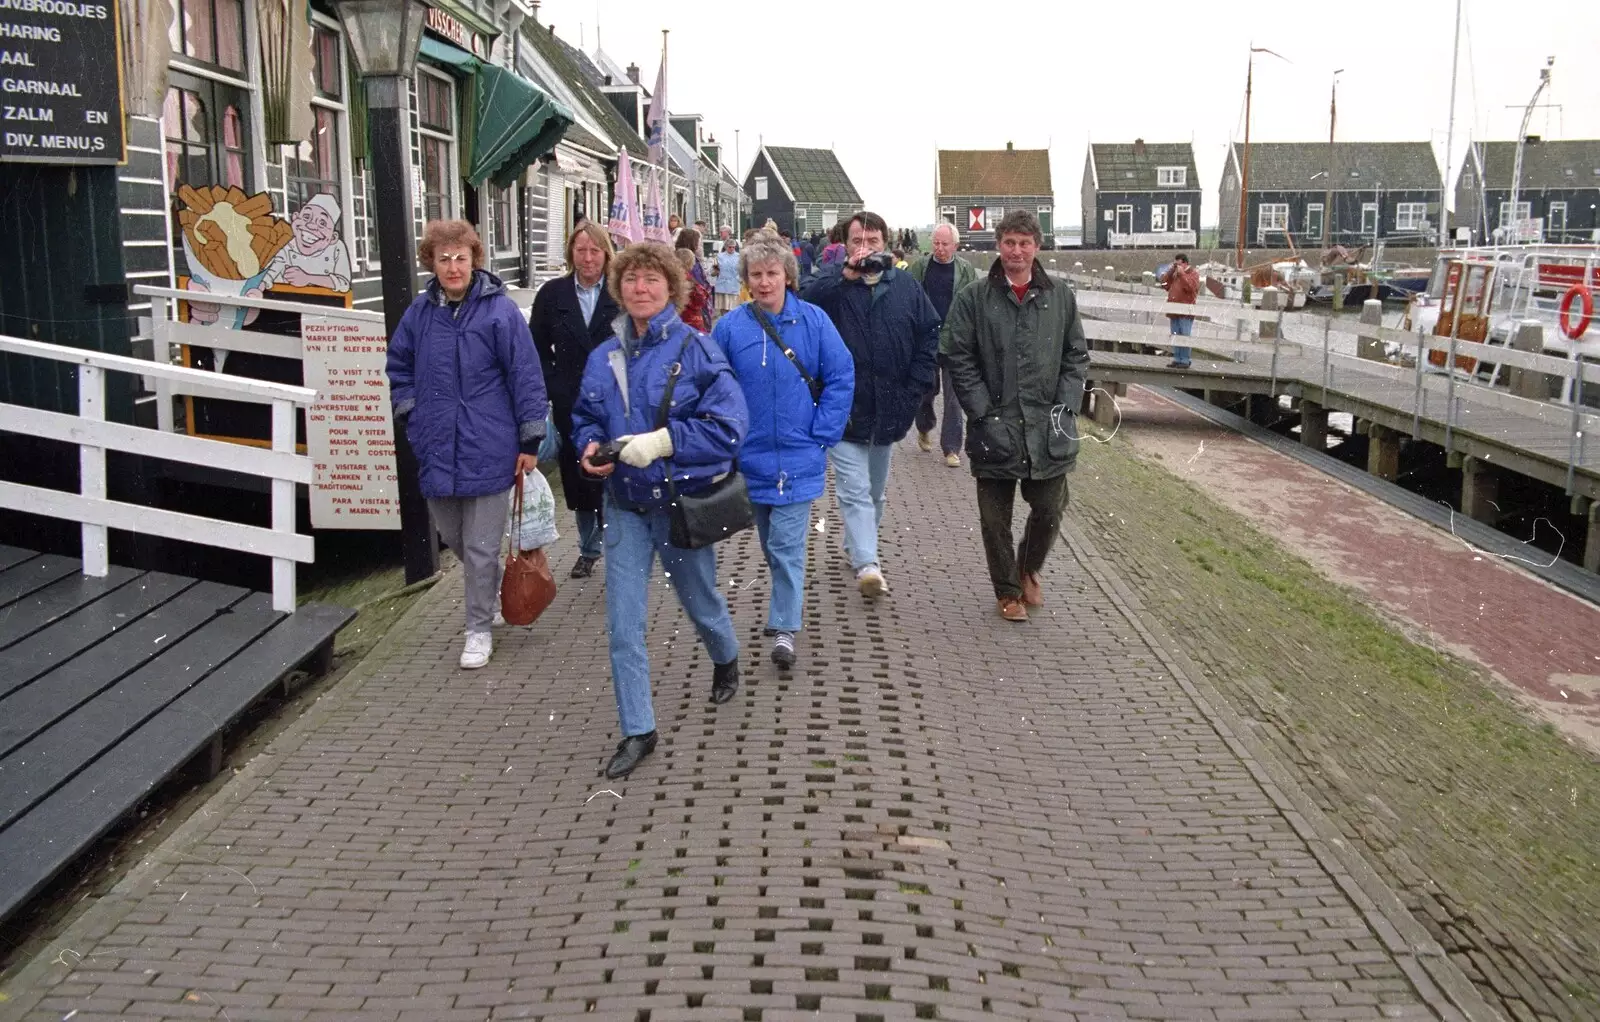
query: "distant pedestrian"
893, 334
799, 381
468, 393
700, 309
621, 399
942, 275
727, 282
572, 315
1018, 359
694, 310
1183, 285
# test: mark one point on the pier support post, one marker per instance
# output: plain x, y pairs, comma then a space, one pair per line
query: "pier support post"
1591, 546
1271, 297
1147, 278
1480, 488
1338, 291
1371, 315
1383, 452
1529, 336
1313, 425
1105, 407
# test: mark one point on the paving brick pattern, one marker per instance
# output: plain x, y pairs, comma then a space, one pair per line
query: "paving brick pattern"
936, 815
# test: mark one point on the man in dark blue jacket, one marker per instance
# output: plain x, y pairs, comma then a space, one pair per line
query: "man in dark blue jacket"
892, 332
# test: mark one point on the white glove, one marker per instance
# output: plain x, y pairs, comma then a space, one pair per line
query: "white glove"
641, 450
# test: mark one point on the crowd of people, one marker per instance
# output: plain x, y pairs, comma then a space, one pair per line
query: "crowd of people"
789, 359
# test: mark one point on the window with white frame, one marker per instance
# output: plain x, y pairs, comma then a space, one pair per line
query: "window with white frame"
1524, 212
1158, 218
1410, 216
436, 118
1314, 221
503, 208
313, 167
1172, 177
761, 188
1369, 217
992, 217
1272, 216
1180, 217
947, 214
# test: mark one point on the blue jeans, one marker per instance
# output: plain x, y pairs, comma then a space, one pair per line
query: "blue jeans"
1183, 327
783, 530
590, 531
860, 478
633, 540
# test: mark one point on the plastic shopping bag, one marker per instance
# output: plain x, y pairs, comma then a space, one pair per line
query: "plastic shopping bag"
535, 527
527, 586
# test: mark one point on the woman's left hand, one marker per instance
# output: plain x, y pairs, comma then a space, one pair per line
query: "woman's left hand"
527, 463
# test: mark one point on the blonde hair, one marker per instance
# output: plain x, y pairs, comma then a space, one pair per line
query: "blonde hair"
649, 255
596, 234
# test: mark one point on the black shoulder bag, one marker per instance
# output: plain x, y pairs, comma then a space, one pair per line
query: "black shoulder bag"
812, 383
701, 519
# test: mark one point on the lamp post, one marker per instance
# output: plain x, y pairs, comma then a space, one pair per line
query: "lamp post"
384, 36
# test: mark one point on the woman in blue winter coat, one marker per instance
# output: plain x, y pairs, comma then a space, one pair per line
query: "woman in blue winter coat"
799, 400
468, 391
619, 400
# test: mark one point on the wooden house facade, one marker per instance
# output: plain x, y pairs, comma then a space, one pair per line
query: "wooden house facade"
801, 190
1140, 194
1558, 197
975, 188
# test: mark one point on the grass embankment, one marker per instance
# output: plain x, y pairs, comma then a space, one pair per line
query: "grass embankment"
1487, 822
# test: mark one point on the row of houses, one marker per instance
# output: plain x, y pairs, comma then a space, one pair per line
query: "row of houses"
1301, 195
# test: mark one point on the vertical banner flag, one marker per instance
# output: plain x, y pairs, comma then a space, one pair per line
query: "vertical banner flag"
623, 221
655, 120
654, 219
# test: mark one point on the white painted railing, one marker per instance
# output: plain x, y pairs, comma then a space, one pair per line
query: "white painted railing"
1150, 239
94, 435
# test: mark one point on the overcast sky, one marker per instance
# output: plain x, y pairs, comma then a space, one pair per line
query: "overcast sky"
884, 83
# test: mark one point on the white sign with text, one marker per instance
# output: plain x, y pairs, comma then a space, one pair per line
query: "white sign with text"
349, 431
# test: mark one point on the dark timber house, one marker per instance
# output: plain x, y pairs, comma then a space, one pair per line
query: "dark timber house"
976, 187
1560, 190
1381, 191
801, 190
1140, 194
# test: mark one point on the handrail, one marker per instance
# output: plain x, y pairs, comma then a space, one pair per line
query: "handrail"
238, 388
269, 304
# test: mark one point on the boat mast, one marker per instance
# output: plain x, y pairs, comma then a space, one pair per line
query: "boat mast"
1244, 171
1522, 141
1450, 133
1327, 201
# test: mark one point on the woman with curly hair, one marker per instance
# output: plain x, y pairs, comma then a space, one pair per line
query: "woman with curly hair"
622, 394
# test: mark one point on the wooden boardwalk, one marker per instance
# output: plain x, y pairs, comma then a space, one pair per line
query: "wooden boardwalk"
111, 685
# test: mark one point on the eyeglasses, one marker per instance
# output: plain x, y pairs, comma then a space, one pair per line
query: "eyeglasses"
447, 258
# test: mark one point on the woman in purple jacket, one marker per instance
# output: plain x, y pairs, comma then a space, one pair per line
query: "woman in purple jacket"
468, 391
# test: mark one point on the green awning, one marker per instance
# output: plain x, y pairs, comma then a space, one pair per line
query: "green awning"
453, 57
514, 123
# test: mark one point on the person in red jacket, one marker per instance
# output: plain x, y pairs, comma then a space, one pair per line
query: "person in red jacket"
1183, 285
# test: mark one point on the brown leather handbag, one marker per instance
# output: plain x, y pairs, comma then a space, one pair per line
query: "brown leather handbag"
528, 585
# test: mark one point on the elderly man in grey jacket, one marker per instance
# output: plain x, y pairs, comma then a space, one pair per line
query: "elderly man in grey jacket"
943, 275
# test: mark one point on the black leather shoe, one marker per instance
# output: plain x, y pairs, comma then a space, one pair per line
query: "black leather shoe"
724, 682
584, 568
629, 752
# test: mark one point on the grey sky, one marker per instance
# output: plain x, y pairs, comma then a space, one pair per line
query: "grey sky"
886, 82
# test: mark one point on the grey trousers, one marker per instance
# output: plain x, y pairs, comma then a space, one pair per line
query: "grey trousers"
473, 528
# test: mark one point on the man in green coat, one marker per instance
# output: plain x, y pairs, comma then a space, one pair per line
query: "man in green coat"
1017, 357
942, 276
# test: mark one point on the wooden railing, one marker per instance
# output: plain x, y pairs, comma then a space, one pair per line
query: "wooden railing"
95, 435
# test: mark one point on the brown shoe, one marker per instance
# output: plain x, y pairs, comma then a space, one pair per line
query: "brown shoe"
1031, 594
1012, 609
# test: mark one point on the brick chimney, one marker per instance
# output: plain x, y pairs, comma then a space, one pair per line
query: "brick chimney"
1138, 147
633, 73
1010, 148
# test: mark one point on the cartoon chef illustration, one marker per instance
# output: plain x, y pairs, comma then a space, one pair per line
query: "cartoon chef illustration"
317, 256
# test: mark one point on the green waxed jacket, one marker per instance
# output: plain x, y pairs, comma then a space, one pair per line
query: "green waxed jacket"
965, 274
1018, 368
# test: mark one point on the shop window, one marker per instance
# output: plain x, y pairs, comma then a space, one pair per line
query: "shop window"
206, 133
209, 32
436, 116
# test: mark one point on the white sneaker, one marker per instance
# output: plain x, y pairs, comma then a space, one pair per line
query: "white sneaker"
477, 650
871, 582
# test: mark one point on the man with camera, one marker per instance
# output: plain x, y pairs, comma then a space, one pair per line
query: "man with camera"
892, 331
1017, 357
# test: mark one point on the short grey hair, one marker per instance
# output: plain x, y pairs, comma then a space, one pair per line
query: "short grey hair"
768, 248
945, 225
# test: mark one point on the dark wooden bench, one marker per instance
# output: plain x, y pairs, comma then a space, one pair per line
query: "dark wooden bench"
109, 686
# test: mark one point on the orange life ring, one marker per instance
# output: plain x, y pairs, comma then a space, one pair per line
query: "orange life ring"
1581, 294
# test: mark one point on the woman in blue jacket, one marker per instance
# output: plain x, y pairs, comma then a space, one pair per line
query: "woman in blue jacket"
467, 389
618, 401
798, 408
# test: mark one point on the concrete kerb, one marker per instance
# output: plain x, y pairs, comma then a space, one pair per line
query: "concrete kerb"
29, 984
1437, 979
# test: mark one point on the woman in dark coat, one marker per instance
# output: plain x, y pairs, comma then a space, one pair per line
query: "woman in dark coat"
571, 316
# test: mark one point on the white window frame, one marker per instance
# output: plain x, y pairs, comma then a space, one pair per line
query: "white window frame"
1158, 217
450, 140
1369, 218
1322, 219
1550, 218
761, 189
1182, 218
1126, 207
1172, 177
513, 191
1272, 216
1410, 216
341, 120
947, 214
1524, 208
992, 217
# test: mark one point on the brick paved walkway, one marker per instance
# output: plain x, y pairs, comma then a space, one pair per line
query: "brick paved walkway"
939, 815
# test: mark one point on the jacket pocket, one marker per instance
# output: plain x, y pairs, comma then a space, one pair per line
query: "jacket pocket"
989, 441
1063, 442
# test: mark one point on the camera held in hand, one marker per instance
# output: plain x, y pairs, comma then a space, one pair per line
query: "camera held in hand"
875, 262
606, 454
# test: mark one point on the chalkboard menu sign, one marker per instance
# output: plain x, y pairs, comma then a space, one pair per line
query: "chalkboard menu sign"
61, 82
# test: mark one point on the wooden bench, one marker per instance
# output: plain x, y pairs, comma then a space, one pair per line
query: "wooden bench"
109, 686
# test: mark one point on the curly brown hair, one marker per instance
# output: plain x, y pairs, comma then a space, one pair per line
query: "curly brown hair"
445, 233
649, 255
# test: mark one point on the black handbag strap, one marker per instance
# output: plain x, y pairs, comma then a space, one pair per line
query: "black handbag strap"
812, 384
673, 372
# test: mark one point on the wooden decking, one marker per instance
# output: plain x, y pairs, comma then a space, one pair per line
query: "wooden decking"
109, 686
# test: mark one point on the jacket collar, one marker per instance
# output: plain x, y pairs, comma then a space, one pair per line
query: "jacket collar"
1041, 280
484, 285
661, 325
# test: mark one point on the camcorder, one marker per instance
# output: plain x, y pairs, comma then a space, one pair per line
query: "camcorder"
606, 454
875, 262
